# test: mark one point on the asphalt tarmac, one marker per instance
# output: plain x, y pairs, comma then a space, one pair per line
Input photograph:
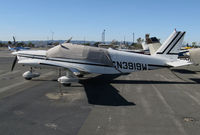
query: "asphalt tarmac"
158, 102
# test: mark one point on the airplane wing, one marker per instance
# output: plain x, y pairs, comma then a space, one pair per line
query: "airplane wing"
179, 63
54, 64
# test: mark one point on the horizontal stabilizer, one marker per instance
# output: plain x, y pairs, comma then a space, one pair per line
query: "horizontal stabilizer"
179, 63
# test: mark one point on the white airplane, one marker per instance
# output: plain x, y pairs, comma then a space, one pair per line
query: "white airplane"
78, 60
18, 48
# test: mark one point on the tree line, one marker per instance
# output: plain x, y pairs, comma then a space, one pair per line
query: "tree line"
17, 44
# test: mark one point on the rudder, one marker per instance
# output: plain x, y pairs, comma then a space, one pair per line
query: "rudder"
171, 46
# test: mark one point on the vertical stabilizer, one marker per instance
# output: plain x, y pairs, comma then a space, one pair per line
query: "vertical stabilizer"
171, 46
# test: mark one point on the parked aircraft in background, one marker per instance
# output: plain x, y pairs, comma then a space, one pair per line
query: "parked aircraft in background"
19, 48
78, 60
194, 55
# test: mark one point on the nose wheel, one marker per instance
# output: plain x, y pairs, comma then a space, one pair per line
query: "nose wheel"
27, 78
66, 84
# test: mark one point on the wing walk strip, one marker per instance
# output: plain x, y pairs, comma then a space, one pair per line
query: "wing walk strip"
12, 86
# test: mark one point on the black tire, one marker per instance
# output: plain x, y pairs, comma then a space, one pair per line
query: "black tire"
28, 78
66, 84
81, 75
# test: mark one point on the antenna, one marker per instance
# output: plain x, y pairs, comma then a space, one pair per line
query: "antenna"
47, 42
52, 33
103, 36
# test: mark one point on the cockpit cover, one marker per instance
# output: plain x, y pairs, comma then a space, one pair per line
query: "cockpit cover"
80, 52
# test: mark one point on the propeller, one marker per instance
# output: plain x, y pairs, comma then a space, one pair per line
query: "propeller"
14, 40
68, 41
14, 63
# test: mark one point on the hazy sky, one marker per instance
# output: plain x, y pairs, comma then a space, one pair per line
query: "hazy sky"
36, 19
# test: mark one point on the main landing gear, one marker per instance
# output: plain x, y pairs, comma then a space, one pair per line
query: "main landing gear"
28, 75
68, 79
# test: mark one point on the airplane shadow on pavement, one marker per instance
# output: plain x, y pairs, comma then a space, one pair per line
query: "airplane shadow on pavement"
99, 91
148, 82
183, 71
197, 80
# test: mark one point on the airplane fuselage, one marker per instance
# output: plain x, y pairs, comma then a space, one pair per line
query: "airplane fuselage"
130, 62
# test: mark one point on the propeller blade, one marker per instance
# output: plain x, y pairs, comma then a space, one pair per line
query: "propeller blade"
69, 40
14, 62
14, 40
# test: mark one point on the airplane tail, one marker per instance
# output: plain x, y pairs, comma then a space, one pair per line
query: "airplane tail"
171, 47
145, 46
154, 47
